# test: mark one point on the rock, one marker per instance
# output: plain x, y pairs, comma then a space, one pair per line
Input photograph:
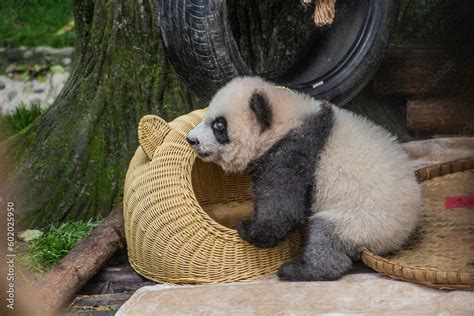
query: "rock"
57, 69
45, 50
59, 79
38, 90
67, 51
28, 54
12, 94
48, 59
36, 101
13, 54
67, 61
30, 234
2, 85
28, 88
357, 293
38, 87
10, 68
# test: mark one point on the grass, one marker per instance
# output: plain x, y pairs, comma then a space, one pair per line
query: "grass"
35, 22
20, 119
48, 249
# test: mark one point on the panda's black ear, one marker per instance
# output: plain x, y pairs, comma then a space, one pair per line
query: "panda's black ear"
260, 105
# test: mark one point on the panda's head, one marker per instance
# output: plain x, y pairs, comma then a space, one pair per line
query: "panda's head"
244, 119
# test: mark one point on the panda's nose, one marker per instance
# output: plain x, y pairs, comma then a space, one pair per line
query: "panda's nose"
192, 141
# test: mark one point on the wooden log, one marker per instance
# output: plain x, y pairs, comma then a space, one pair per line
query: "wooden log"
59, 285
422, 72
442, 115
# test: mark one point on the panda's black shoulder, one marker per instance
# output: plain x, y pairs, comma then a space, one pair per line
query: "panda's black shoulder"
299, 150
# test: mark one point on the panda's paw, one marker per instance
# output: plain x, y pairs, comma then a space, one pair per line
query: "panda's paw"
299, 270
257, 237
244, 229
292, 271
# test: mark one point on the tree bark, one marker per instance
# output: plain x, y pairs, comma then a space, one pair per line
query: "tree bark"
271, 34
72, 161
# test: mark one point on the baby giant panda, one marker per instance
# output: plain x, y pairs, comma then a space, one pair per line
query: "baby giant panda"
313, 162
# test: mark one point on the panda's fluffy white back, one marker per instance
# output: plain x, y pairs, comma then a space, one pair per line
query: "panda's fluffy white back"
365, 178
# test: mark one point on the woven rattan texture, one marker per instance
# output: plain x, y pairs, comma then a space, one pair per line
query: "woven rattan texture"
440, 254
169, 199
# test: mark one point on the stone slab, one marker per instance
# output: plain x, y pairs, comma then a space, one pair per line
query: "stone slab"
363, 292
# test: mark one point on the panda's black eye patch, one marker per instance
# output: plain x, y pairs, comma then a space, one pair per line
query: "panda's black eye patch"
219, 128
219, 125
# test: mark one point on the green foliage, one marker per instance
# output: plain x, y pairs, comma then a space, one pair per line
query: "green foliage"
21, 118
48, 249
35, 22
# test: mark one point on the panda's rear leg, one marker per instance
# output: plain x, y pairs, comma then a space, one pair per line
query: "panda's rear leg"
325, 257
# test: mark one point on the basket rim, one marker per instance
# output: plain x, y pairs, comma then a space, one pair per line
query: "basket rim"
380, 264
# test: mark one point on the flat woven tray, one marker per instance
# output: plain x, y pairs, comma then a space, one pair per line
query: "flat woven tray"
441, 252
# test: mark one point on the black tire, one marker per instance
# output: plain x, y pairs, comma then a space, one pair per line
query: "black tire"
336, 66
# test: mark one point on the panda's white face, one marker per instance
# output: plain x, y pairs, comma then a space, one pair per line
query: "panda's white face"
210, 138
244, 119
229, 134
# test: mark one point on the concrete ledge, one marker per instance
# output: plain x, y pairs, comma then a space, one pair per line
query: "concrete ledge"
355, 293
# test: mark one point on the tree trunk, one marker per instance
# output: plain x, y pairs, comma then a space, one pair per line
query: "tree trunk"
71, 163
271, 34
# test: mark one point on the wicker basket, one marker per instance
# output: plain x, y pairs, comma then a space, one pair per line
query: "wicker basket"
441, 253
179, 213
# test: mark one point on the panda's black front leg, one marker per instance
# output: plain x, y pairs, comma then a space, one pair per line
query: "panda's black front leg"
262, 234
279, 209
282, 183
255, 235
